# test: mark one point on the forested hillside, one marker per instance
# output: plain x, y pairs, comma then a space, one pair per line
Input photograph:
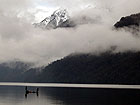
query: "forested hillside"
120, 68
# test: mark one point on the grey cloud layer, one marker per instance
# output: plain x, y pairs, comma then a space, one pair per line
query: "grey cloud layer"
20, 40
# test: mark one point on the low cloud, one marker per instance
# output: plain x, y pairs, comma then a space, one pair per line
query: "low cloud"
19, 40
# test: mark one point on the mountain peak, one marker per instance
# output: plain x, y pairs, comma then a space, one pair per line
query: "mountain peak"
59, 18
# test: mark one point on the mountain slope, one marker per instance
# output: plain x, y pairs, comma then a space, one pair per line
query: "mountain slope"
15, 71
128, 21
120, 68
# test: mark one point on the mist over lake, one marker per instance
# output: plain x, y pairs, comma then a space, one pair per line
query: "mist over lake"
15, 95
69, 52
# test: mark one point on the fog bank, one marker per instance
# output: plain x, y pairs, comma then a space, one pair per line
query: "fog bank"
19, 40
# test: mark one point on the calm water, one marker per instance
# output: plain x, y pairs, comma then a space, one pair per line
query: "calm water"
11, 95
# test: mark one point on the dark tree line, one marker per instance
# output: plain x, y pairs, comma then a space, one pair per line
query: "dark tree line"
108, 68
120, 68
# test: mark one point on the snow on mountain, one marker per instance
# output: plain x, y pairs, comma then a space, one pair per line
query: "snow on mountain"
59, 18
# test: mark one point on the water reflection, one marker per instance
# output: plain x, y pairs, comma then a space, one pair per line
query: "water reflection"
68, 96
31, 92
76, 96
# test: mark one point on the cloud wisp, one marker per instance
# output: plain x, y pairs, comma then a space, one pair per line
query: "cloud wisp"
19, 40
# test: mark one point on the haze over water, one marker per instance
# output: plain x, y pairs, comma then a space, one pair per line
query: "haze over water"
15, 95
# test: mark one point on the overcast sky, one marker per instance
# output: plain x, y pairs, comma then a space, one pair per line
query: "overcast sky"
19, 40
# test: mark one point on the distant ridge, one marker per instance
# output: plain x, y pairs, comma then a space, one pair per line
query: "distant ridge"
132, 20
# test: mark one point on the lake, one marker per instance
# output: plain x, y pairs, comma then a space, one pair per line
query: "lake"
15, 95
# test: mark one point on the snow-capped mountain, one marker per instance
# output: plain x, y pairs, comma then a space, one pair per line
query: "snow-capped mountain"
59, 18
